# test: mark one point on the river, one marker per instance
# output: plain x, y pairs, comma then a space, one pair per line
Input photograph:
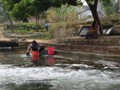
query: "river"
17, 72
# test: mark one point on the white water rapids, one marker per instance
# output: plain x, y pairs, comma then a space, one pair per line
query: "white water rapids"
17, 74
60, 78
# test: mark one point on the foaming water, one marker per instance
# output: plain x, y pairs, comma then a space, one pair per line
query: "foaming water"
17, 72
60, 78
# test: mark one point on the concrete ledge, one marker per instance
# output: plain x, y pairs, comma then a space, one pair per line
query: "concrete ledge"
114, 50
8, 44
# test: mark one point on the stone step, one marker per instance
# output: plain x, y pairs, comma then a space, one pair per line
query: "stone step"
108, 41
88, 48
97, 49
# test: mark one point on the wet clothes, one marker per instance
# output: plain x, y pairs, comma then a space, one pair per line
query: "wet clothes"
35, 55
35, 48
35, 52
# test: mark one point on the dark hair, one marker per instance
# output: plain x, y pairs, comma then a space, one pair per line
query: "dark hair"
34, 43
34, 46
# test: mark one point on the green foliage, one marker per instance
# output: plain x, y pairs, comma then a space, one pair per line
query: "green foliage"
28, 26
52, 15
9, 4
60, 19
38, 6
61, 14
21, 10
108, 7
23, 32
58, 3
2, 14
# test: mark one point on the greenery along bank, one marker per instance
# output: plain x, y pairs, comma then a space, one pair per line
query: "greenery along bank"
19, 11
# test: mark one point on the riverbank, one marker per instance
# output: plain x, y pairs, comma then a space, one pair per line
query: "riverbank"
106, 46
78, 48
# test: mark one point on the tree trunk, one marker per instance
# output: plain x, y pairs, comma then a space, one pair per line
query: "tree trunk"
11, 23
37, 23
93, 8
37, 20
96, 18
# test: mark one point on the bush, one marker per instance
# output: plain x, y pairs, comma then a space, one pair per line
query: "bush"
28, 27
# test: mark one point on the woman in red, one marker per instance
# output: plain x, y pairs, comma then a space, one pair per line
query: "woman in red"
35, 51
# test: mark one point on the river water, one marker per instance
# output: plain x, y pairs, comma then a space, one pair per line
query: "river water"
18, 72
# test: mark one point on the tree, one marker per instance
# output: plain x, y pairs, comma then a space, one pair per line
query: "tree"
7, 6
37, 7
91, 3
93, 7
26, 8
57, 3
10, 4
110, 8
4, 4
21, 10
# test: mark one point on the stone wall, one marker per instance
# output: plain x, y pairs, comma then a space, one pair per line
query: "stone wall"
116, 30
111, 50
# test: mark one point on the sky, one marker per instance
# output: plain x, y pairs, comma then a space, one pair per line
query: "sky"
84, 2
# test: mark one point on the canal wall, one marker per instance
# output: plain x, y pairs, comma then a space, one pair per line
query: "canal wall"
78, 48
103, 45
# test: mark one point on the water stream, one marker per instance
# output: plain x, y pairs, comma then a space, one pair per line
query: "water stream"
17, 72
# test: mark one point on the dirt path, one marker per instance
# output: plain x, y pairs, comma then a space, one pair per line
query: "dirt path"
2, 37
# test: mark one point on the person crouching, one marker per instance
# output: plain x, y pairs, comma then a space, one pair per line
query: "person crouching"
34, 47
